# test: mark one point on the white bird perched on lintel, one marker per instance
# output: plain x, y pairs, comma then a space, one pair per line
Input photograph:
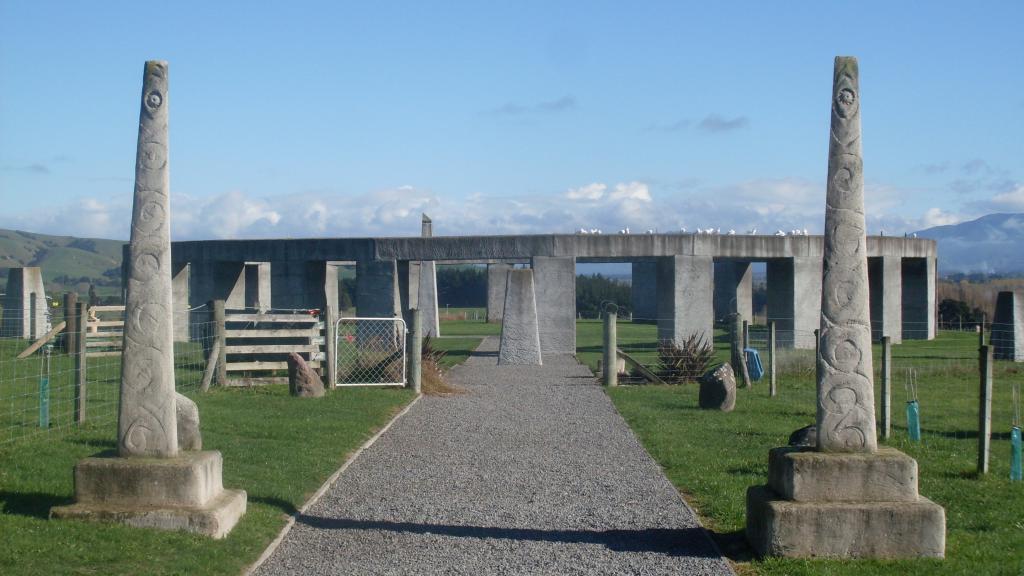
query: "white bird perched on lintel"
732, 232
780, 233
806, 233
583, 231
682, 229
752, 231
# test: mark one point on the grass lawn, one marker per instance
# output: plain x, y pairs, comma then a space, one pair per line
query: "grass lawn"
277, 448
712, 457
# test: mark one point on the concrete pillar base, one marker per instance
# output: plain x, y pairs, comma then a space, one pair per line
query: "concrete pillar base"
520, 332
181, 493
843, 505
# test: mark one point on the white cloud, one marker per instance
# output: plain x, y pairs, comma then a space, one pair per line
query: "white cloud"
939, 217
1012, 200
592, 191
631, 191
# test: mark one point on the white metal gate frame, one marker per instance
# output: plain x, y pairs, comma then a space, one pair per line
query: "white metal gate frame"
351, 346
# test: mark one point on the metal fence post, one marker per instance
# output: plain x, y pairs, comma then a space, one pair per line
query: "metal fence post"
886, 386
44, 390
611, 368
984, 407
220, 339
981, 332
414, 348
771, 358
81, 392
746, 334
330, 346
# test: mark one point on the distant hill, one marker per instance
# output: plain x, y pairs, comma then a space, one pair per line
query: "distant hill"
68, 263
992, 244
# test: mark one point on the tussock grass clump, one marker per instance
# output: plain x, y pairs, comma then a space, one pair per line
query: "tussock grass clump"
433, 381
686, 361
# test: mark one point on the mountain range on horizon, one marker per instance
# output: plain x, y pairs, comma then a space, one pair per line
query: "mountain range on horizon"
988, 245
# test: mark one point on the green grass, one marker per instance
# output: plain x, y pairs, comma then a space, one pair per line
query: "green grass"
277, 448
712, 457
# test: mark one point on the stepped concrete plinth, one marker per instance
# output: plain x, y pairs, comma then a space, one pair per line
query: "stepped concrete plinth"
180, 493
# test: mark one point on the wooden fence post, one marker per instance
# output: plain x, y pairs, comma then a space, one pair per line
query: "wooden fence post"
886, 386
81, 392
330, 346
611, 364
746, 334
414, 350
70, 323
771, 358
984, 407
220, 340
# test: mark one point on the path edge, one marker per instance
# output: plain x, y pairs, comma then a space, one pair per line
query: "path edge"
276, 542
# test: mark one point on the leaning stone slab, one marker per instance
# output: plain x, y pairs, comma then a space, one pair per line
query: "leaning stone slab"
777, 527
806, 475
182, 493
189, 436
520, 334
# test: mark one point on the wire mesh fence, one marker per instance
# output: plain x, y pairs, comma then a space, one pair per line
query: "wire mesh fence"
59, 384
370, 351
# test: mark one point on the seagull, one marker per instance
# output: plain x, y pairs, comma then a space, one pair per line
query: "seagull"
752, 231
805, 232
583, 231
915, 234
682, 230
700, 231
732, 232
780, 233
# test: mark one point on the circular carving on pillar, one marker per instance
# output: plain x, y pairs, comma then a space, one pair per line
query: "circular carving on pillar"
840, 349
846, 102
146, 318
154, 100
845, 239
151, 216
153, 155
145, 266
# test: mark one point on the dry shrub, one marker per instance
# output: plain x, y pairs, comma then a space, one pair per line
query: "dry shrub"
433, 381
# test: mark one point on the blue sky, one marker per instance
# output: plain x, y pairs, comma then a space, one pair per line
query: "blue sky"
345, 119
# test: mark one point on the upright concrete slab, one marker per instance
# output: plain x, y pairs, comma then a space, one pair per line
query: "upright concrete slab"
257, 286
643, 290
408, 292
25, 304
794, 300
734, 290
180, 295
520, 328
844, 498
555, 285
1008, 327
150, 484
302, 284
497, 274
685, 298
427, 297
377, 291
885, 278
217, 280
918, 296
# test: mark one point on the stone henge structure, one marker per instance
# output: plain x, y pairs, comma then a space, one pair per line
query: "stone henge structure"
25, 304
152, 482
1008, 327
845, 497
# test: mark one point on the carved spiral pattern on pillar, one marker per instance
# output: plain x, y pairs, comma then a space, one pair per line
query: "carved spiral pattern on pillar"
846, 419
147, 421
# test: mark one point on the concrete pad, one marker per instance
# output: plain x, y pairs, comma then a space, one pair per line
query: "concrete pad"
190, 479
806, 475
215, 519
844, 529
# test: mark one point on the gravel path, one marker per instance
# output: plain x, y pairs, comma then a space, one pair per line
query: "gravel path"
530, 471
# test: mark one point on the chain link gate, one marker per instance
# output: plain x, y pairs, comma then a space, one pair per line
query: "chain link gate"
370, 351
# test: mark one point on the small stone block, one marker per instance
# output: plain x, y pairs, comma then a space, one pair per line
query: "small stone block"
807, 475
215, 520
191, 479
844, 529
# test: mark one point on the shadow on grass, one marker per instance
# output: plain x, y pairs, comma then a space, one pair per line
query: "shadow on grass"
734, 545
964, 434
33, 504
284, 505
105, 444
674, 542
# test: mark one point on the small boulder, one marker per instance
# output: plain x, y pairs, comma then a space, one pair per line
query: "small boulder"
718, 389
189, 437
302, 380
805, 437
